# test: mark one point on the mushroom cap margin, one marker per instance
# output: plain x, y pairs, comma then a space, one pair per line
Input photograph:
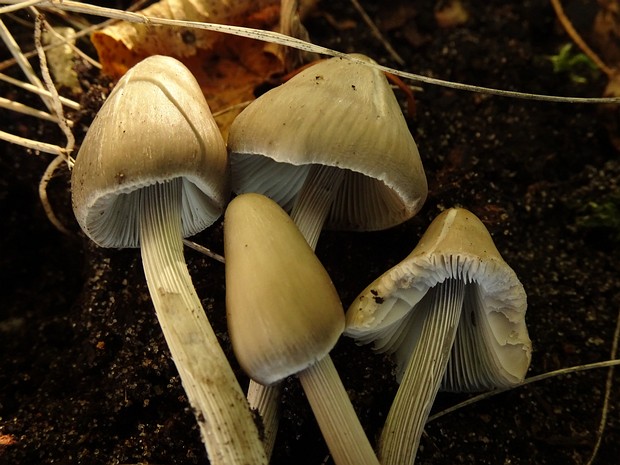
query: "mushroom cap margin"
155, 126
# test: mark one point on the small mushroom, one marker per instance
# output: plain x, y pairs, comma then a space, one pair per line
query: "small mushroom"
453, 310
151, 170
332, 147
284, 317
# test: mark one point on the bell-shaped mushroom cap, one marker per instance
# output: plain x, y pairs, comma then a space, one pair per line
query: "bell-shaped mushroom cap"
492, 347
283, 311
337, 113
155, 126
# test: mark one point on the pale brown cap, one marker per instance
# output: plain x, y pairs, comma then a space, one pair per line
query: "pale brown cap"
154, 127
338, 113
492, 346
283, 311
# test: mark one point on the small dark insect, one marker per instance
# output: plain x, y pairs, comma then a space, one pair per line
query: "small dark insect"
376, 298
188, 37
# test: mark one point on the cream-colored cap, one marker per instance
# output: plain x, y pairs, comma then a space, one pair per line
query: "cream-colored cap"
283, 311
492, 346
338, 113
154, 127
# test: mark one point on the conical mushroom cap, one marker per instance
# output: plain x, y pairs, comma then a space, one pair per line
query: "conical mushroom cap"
155, 126
283, 311
337, 113
492, 346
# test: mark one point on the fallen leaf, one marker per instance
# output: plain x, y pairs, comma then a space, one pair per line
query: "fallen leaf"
606, 38
395, 15
606, 32
451, 14
228, 68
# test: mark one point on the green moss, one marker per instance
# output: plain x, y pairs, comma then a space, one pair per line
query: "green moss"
576, 64
602, 215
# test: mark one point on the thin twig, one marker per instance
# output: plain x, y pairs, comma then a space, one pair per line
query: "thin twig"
270, 36
236, 106
21, 60
64, 41
35, 90
574, 35
533, 379
26, 110
19, 6
203, 250
608, 385
63, 124
84, 32
35, 145
377, 33
47, 207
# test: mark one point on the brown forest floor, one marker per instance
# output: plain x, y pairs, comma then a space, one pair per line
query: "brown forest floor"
85, 376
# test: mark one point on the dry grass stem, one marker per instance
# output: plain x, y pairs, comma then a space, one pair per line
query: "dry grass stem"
576, 37
35, 145
35, 90
203, 250
47, 207
533, 379
26, 110
19, 6
608, 386
21, 60
275, 37
63, 123
377, 33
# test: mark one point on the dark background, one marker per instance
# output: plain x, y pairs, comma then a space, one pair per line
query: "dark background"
85, 376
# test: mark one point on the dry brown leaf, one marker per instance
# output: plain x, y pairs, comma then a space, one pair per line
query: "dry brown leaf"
228, 68
606, 32
451, 14
606, 37
396, 15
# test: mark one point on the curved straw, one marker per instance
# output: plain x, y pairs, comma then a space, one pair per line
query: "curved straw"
275, 37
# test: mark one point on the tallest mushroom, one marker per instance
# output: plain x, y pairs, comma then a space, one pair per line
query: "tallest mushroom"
151, 170
332, 147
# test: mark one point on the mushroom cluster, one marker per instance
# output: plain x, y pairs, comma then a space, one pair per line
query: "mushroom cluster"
334, 151
328, 148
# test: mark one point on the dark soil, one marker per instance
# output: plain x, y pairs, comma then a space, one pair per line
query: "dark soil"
85, 376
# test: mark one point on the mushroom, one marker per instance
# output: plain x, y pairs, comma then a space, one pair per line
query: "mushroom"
332, 147
284, 317
153, 169
452, 310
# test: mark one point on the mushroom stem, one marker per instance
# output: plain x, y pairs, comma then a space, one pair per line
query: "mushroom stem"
335, 415
315, 199
266, 401
225, 421
402, 431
